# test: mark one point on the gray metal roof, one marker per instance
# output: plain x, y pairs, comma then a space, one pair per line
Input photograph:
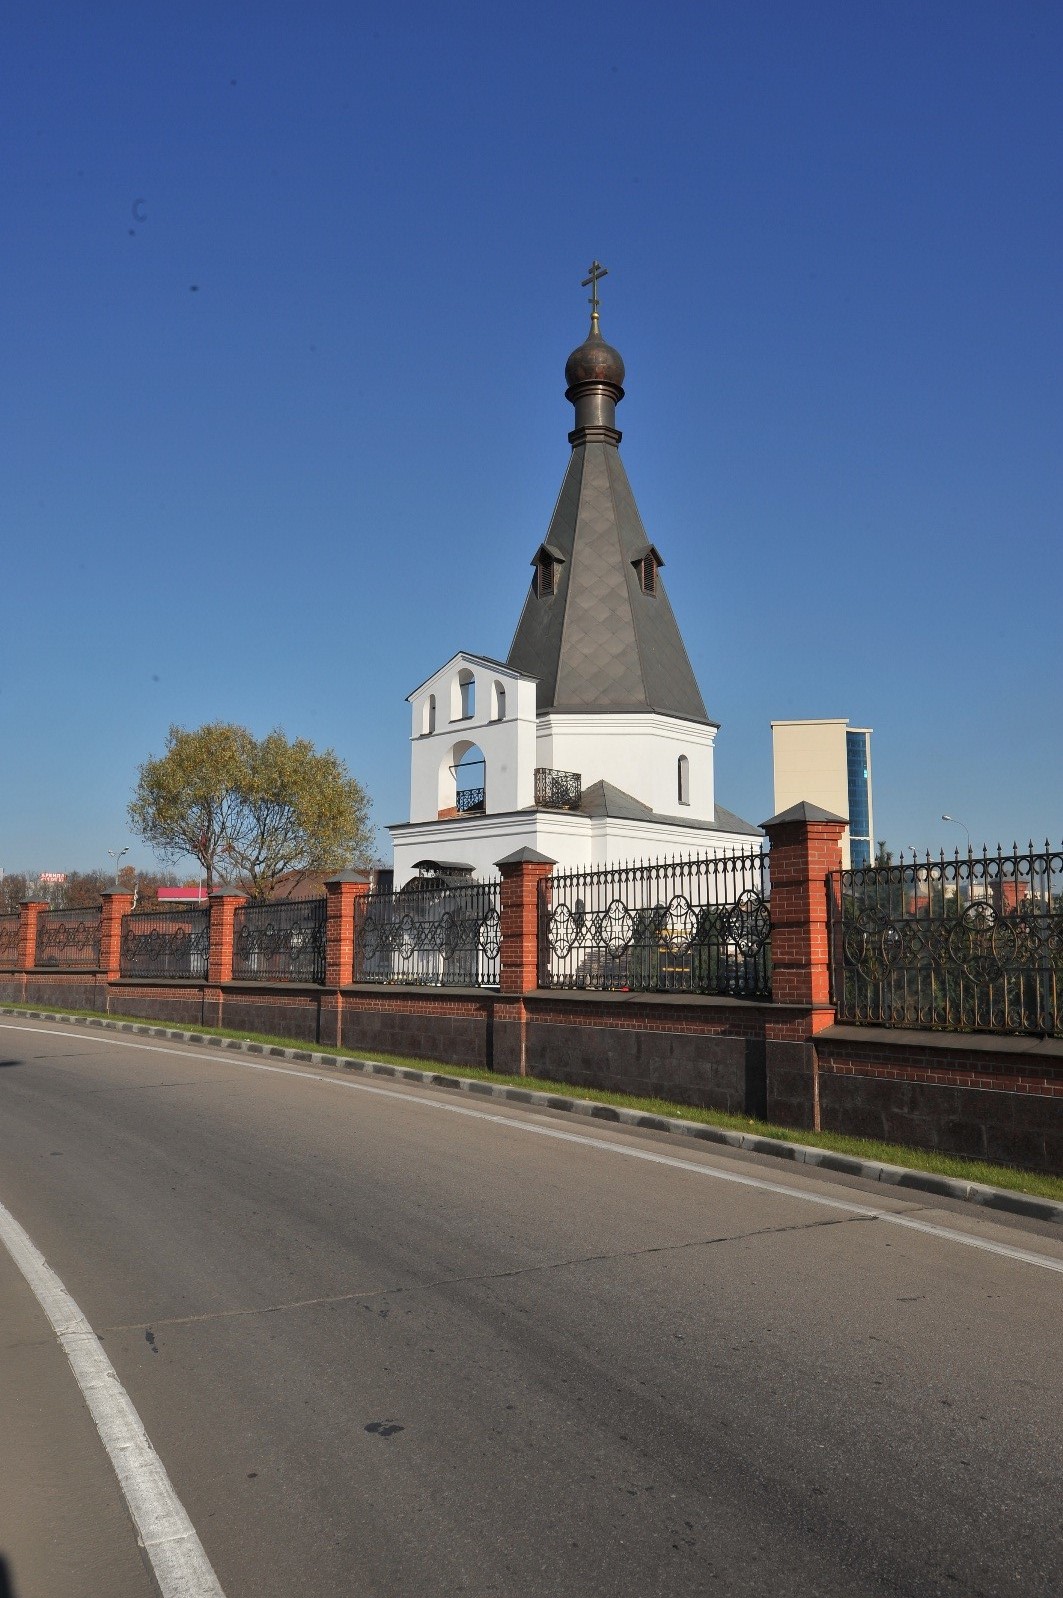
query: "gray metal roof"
598, 643
804, 810
606, 799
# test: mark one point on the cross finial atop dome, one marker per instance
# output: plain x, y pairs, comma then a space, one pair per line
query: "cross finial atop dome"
596, 271
594, 374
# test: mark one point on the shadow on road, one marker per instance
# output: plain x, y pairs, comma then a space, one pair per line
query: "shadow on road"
7, 1586
2, 1064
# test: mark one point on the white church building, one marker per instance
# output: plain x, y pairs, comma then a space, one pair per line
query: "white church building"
590, 744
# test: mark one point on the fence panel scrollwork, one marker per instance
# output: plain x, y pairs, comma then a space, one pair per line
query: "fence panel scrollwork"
698, 925
170, 944
283, 941
9, 925
68, 940
967, 943
430, 935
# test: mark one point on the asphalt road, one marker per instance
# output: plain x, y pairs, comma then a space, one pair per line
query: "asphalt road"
383, 1347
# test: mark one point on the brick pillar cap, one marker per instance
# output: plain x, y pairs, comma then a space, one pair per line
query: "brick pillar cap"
228, 891
353, 875
116, 893
804, 812
525, 856
45, 904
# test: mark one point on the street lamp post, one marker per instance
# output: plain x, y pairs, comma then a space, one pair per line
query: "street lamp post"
116, 857
956, 822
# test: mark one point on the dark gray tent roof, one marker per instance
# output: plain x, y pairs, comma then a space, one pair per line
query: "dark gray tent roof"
598, 643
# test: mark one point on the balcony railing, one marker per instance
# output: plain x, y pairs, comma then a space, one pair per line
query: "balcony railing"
557, 790
470, 800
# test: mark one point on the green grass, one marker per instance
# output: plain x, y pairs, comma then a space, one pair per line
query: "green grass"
954, 1165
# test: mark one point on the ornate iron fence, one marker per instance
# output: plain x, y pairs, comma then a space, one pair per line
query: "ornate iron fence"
698, 925
437, 935
558, 790
283, 941
971, 943
68, 939
166, 943
9, 925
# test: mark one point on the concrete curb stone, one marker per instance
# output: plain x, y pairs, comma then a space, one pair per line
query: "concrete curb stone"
995, 1198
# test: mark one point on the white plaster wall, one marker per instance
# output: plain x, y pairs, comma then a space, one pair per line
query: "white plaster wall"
571, 840
508, 746
481, 841
637, 753
618, 842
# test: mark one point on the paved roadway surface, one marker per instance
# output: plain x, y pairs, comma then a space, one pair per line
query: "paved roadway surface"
383, 1348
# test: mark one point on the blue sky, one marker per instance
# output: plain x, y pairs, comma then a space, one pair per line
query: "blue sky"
288, 294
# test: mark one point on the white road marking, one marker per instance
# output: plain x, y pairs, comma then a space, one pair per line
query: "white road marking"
181, 1567
601, 1144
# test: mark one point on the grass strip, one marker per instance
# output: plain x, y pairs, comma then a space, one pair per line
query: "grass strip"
955, 1165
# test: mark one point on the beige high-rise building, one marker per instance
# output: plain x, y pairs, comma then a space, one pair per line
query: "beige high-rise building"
828, 763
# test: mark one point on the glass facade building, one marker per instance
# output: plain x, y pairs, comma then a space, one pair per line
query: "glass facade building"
828, 763
858, 776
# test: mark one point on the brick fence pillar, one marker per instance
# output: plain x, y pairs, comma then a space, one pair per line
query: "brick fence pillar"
805, 846
28, 914
342, 893
117, 903
224, 903
522, 873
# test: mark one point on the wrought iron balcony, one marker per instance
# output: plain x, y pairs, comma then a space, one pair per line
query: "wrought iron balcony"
557, 790
471, 800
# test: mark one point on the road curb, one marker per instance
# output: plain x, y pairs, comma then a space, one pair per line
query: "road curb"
994, 1198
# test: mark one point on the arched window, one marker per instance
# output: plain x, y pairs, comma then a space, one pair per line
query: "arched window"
463, 696
462, 780
470, 785
428, 716
684, 780
498, 706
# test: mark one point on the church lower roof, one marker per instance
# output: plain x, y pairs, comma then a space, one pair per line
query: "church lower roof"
606, 799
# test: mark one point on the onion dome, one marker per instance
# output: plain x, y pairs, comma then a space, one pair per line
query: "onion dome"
595, 361
595, 376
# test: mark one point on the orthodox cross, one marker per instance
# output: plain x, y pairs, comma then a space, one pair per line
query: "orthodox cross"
596, 270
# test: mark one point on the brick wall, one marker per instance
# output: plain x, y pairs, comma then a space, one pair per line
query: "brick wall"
998, 1098
991, 1098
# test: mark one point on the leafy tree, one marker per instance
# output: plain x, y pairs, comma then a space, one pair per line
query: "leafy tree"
15, 887
250, 810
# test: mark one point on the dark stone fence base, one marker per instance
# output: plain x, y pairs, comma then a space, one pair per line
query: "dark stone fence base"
995, 1098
